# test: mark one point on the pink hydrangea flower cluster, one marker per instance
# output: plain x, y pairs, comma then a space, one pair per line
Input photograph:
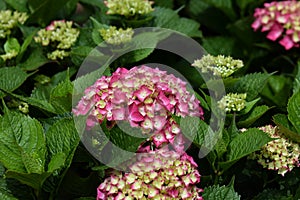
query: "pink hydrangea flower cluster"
281, 20
280, 154
143, 96
160, 174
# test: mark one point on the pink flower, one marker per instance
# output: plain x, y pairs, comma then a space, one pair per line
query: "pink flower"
281, 20
143, 96
154, 175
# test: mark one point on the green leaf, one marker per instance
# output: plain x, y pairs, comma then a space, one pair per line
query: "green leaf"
167, 18
35, 60
12, 189
252, 84
25, 45
200, 133
11, 44
294, 110
18, 5
125, 140
33, 180
22, 146
286, 128
254, 115
62, 139
11, 78
217, 45
244, 144
164, 3
220, 193
61, 96
296, 86
45, 11
225, 6
78, 54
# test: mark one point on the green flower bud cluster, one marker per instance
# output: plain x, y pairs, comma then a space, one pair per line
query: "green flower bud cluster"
219, 65
9, 55
128, 8
59, 35
233, 102
280, 154
115, 36
23, 107
9, 20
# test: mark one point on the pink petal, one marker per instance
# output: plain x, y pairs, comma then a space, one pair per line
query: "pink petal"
275, 33
142, 93
118, 114
287, 42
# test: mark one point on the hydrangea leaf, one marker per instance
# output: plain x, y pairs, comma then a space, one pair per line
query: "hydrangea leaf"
12, 44
244, 144
167, 18
11, 78
296, 86
35, 60
61, 96
252, 84
62, 140
294, 111
286, 127
254, 115
18, 5
219, 45
220, 193
22, 143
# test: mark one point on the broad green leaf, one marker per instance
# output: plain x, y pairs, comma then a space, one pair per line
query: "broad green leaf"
42, 105
125, 140
44, 11
247, 142
2, 5
97, 3
286, 127
80, 53
167, 18
294, 110
18, 5
221, 146
208, 15
25, 45
217, 192
126, 137
62, 140
164, 3
296, 86
57, 161
11, 44
35, 60
61, 96
217, 45
200, 133
248, 106
22, 144
252, 84
11, 78
275, 87
254, 115
225, 6
12, 189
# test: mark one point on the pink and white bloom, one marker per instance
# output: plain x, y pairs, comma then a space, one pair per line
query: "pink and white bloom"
143, 96
281, 20
155, 176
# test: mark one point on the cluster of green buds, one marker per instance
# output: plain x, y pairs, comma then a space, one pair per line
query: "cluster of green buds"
280, 154
23, 107
219, 65
59, 35
9, 55
233, 102
9, 20
115, 36
129, 8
